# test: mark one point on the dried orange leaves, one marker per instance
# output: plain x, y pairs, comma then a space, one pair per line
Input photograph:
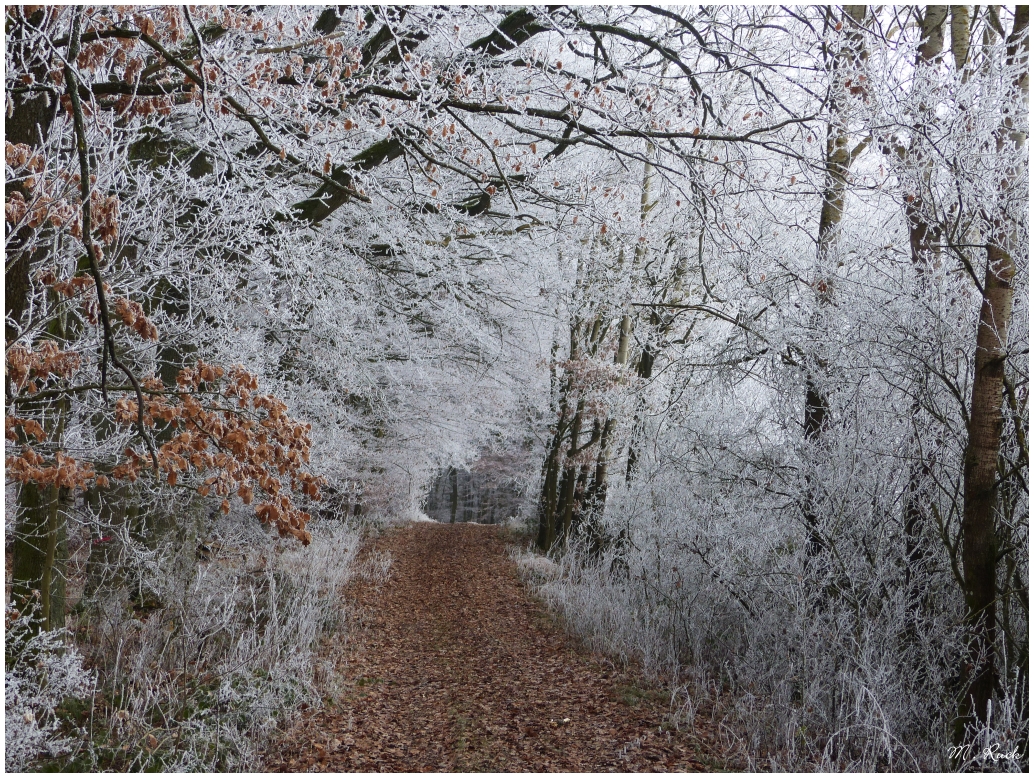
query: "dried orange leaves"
246, 441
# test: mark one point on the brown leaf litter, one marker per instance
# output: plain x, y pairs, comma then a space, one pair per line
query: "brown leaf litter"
451, 666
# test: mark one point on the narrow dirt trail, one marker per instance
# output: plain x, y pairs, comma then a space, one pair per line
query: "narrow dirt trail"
454, 668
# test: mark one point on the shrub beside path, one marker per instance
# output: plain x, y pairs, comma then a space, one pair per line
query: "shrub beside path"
452, 666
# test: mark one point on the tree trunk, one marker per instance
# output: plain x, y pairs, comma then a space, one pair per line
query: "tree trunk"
551, 464
548, 498
29, 123
40, 549
960, 35
644, 370
979, 551
567, 493
986, 421
838, 164
595, 496
556, 468
454, 477
37, 572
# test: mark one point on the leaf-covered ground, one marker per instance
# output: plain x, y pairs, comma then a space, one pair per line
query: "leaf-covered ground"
452, 666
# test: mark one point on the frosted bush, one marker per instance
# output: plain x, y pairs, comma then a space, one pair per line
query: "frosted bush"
534, 567
725, 616
205, 681
42, 672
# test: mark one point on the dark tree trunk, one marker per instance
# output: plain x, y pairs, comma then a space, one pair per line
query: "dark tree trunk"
567, 492
644, 370
28, 123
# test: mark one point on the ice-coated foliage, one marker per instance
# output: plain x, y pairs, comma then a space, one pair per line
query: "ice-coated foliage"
735, 299
42, 672
224, 652
806, 585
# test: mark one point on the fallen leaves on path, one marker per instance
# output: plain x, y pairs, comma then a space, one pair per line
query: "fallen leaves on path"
453, 667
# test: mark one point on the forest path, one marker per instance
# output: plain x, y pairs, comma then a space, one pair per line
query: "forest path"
452, 667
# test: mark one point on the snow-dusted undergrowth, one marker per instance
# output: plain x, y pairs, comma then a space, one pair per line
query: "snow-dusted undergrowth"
790, 686
41, 673
199, 668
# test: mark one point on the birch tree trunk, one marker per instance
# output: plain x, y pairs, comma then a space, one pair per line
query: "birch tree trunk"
986, 421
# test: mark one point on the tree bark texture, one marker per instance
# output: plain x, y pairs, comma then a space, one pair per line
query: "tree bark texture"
986, 421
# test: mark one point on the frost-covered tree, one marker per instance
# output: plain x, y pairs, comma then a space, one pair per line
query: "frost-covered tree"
748, 282
834, 553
